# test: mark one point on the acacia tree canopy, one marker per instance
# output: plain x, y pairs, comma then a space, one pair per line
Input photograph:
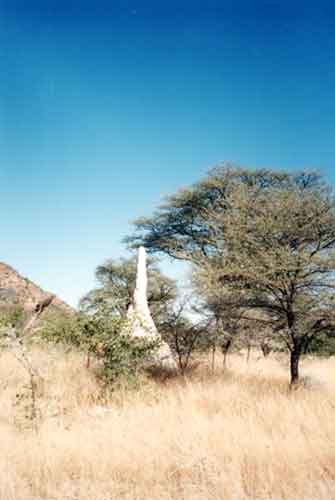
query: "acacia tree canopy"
186, 225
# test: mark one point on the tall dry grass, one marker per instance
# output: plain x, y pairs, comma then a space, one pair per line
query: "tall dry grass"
234, 435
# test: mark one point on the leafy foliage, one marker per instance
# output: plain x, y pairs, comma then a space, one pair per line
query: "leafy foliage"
12, 319
62, 329
12, 316
322, 345
121, 356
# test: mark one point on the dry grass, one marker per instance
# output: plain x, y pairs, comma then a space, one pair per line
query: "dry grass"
234, 435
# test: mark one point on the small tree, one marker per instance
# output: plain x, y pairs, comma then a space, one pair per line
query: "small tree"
116, 285
183, 335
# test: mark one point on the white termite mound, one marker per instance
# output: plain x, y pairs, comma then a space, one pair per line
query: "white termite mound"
140, 319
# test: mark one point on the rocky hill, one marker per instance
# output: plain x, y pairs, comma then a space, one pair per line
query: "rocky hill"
17, 290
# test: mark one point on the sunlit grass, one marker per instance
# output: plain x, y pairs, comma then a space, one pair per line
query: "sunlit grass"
237, 434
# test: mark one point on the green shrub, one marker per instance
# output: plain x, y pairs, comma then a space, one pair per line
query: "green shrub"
120, 355
322, 345
12, 316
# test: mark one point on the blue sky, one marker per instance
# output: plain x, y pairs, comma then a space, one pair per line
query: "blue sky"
105, 107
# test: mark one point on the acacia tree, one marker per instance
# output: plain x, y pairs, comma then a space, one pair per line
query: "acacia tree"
279, 258
264, 241
183, 335
116, 284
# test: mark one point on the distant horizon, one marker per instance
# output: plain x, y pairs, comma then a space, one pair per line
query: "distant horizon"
105, 108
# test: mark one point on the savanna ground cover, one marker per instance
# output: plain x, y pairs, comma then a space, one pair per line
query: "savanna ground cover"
233, 434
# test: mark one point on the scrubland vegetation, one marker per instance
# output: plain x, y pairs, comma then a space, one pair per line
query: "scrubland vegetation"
83, 417
233, 434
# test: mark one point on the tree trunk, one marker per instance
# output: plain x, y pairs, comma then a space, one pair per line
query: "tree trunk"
265, 348
248, 352
213, 357
225, 349
295, 358
88, 360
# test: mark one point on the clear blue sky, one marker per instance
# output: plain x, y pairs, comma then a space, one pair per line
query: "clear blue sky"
107, 106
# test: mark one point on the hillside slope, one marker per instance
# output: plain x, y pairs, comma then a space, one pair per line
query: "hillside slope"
17, 290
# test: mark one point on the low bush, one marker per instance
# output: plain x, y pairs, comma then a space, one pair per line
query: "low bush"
120, 355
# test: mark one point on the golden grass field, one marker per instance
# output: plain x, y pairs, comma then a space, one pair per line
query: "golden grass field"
232, 436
